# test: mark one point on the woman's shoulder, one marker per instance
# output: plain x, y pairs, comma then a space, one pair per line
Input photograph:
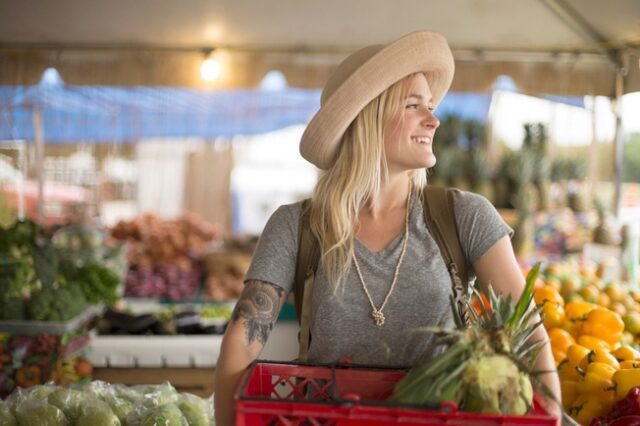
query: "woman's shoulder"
287, 215
468, 200
289, 210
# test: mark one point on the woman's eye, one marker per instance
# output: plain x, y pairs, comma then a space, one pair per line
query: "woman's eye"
413, 106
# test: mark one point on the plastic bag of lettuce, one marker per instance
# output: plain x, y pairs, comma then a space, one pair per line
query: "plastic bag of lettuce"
103, 404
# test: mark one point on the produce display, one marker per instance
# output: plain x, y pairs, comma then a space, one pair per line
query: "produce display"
594, 329
563, 230
486, 367
31, 360
99, 403
46, 280
225, 274
165, 255
203, 319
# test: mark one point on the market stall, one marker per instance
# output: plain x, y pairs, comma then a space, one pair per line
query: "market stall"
181, 275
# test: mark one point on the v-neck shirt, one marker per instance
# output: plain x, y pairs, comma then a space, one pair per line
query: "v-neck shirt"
341, 322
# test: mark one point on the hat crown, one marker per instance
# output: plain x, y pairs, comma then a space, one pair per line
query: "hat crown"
346, 68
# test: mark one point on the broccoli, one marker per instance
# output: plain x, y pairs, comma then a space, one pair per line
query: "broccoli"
59, 302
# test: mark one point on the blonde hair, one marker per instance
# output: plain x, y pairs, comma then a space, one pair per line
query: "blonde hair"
354, 179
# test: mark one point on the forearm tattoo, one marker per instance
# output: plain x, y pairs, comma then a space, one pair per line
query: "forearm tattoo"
259, 306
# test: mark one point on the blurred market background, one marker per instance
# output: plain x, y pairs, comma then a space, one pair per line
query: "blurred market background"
143, 146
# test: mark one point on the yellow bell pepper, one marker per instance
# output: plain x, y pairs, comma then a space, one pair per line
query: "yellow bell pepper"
599, 355
587, 407
626, 353
572, 327
625, 365
577, 309
569, 391
575, 353
592, 342
560, 341
567, 371
624, 380
547, 294
597, 377
604, 324
552, 315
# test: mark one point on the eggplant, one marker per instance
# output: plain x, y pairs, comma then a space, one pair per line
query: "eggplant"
132, 324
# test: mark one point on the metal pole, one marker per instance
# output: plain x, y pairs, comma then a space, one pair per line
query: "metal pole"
619, 141
39, 144
593, 147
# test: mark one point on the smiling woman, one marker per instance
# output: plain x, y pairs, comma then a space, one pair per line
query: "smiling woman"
380, 272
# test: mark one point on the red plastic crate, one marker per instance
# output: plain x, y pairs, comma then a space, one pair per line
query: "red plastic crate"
275, 393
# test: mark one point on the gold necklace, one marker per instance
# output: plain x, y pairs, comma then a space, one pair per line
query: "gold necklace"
376, 313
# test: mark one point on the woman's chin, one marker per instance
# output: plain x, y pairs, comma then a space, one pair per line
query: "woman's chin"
430, 162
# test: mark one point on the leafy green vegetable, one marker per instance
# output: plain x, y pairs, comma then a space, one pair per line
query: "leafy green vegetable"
42, 281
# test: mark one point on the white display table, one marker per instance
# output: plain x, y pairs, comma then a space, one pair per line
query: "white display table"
187, 362
182, 351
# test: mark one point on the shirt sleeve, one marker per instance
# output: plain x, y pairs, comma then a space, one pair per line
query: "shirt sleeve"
274, 259
480, 225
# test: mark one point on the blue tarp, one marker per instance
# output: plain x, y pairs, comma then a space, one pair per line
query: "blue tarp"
106, 114
116, 114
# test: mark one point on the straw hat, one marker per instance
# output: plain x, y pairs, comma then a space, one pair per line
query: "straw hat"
364, 75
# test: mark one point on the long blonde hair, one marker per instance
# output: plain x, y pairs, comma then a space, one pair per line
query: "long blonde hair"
354, 179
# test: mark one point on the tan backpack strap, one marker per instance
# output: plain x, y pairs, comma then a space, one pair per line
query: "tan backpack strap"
440, 219
304, 338
306, 265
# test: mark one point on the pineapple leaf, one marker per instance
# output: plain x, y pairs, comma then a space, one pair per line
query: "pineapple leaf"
527, 318
531, 351
525, 297
533, 356
506, 310
525, 322
449, 380
417, 377
493, 299
523, 333
522, 337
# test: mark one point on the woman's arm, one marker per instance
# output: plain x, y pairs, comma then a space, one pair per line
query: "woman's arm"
499, 267
253, 319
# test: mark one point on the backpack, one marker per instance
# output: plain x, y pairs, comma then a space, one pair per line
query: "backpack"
440, 221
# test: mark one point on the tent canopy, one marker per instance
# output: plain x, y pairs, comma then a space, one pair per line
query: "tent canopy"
571, 47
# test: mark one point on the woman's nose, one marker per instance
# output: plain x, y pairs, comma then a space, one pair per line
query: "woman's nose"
430, 120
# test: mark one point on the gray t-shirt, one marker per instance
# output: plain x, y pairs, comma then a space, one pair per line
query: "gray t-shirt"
342, 325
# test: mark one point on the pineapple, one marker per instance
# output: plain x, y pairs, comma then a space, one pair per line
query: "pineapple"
536, 140
478, 173
457, 172
523, 238
442, 173
487, 366
603, 234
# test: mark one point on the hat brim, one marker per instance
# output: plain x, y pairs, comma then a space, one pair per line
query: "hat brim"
421, 51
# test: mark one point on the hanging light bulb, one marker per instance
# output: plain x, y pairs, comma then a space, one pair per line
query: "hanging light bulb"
210, 69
